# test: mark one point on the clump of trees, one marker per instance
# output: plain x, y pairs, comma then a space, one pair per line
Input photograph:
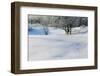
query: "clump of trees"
64, 22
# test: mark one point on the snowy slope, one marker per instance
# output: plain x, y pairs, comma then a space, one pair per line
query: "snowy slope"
58, 45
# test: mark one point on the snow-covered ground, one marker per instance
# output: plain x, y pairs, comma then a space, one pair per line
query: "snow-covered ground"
58, 45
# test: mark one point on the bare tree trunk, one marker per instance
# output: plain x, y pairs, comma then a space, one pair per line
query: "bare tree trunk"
46, 30
66, 29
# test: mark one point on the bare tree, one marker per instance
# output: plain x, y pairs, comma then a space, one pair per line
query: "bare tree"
66, 24
45, 21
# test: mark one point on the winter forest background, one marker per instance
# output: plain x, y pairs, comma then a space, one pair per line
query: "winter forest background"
63, 22
57, 37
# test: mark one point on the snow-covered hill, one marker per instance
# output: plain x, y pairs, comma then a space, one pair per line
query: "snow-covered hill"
58, 45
